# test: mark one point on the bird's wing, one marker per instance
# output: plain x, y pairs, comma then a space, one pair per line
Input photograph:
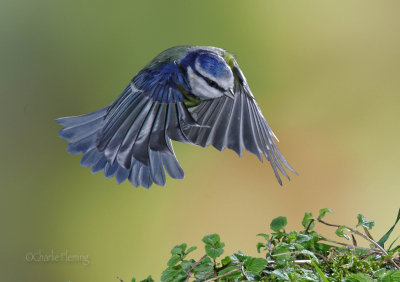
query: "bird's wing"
131, 137
236, 124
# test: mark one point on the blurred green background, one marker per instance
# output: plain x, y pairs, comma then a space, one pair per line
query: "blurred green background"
326, 76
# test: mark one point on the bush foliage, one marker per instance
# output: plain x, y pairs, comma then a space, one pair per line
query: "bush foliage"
293, 256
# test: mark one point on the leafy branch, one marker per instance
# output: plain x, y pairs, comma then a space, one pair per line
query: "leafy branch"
293, 256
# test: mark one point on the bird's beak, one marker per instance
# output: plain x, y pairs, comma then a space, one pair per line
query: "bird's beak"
230, 93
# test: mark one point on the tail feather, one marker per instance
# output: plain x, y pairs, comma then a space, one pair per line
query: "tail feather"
82, 133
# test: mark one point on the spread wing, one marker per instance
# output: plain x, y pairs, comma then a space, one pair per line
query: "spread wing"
236, 124
131, 137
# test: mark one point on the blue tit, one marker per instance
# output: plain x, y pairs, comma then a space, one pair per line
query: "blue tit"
191, 94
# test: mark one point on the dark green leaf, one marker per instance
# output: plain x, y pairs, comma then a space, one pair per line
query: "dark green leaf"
385, 237
174, 260
226, 260
259, 246
148, 279
255, 265
187, 264
308, 217
173, 274
213, 252
322, 213
179, 249
278, 223
191, 249
363, 222
211, 239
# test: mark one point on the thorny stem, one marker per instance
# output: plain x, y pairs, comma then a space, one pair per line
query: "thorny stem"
363, 236
194, 266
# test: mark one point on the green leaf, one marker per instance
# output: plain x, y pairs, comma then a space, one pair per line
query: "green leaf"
211, 239
278, 223
255, 265
306, 220
265, 236
191, 249
391, 276
385, 237
148, 279
214, 247
213, 252
380, 273
309, 254
359, 277
133, 279
260, 245
340, 232
319, 271
174, 260
226, 260
173, 274
187, 264
204, 268
323, 212
179, 249
281, 273
281, 253
364, 223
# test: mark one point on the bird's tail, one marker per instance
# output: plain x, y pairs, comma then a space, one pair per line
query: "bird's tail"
82, 133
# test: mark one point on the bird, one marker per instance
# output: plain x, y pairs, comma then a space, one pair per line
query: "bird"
191, 94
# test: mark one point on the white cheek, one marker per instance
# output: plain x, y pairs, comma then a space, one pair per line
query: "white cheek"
201, 88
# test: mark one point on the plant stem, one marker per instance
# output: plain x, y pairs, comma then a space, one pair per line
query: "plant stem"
223, 275
194, 266
365, 237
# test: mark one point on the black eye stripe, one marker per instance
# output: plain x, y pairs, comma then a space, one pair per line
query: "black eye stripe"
210, 82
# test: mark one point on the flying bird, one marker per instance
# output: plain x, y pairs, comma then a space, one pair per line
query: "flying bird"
191, 94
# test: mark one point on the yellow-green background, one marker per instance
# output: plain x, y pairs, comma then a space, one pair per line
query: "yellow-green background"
325, 73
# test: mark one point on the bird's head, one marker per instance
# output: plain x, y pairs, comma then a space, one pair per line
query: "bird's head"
209, 75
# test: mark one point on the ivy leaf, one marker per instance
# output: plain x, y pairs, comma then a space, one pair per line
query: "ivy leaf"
323, 212
174, 260
364, 223
204, 268
179, 249
265, 236
148, 279
191, 249
340, 232
226, 260
278, 223
214, 247
306, 221
255, 265
213, 252
260, 245
187, 264
282, 253
175, 273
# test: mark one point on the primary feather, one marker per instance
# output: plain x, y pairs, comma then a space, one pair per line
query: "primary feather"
190, 94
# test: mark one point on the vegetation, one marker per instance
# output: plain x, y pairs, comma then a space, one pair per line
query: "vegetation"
293, 256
